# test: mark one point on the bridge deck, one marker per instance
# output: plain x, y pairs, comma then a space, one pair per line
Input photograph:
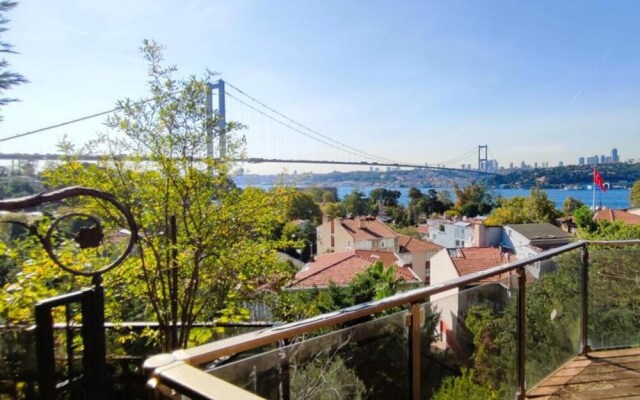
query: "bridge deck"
611, 374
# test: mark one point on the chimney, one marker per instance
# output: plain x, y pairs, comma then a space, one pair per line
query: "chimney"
332, 224
325, 219
362, 223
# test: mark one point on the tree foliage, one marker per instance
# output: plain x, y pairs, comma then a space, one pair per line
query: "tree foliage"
583, 217
224, 244
8, 79
571, 204
301, 205
464, 387
473, 200
536, 208
333, 210
356, 203
325, 377
386, 197
634, 194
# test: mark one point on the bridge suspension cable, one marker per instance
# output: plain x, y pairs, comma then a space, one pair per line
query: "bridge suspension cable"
462, 157
308, 132
73, 121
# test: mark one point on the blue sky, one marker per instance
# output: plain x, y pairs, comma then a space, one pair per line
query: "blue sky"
413, 81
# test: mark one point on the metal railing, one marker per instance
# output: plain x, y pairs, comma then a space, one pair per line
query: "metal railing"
171, 375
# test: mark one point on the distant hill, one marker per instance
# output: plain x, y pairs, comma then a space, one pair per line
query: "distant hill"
620, 174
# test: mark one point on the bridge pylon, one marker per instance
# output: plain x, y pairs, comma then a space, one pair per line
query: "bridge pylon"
483, 158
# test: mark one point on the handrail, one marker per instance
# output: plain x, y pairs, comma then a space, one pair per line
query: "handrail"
188, 359
212, 351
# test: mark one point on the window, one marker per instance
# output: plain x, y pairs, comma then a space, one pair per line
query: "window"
441, 227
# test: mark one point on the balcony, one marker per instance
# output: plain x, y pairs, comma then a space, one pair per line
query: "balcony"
606, 374
512, 326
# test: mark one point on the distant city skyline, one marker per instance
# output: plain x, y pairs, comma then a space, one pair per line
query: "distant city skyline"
418, 82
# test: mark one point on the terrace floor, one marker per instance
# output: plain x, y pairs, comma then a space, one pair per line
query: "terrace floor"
611, 374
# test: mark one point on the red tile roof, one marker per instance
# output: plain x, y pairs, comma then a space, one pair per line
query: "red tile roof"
341, 267
617, 215
475, 259
413, 245
367, 229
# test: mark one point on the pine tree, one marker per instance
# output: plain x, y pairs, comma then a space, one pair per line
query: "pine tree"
8, 79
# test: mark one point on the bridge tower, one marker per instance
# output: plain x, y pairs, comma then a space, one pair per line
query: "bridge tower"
222, 121
483, 158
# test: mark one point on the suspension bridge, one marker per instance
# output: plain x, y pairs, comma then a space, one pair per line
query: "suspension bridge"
283, 133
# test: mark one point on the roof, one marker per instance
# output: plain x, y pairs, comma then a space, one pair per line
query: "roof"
617, 215
633, 210
413, 245
542, 235
341, 267
476, 259
367, 229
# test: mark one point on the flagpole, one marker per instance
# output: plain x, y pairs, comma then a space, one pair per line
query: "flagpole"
593, 186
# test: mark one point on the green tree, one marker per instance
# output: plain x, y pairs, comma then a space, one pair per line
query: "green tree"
536, 208
355, 203
374, 283
540, 207
464, 387
634, 194
571, 204
300, 205
444, 196
607, 230
224, 244
414, 193
333, 210
385, 196
8, 79
325, 377
583, 217
473, 200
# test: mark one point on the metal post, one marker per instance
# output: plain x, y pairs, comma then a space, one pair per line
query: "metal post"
521, 334
584, 302
285, 371
45, 351
94, 354
69, 339
413, 322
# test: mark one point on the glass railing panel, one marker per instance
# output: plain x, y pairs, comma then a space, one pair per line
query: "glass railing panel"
614, 297
366, 359
471, 333
552, 315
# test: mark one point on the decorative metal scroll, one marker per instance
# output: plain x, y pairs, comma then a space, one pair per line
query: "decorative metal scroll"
91, 235
91, 252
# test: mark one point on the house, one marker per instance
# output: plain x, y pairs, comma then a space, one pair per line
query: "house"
452, 304
617, 215
363, 233
418, 253
470, 232
339, 268
567, 224
526, 240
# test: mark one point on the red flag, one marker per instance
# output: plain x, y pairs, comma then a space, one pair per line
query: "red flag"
597, 180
